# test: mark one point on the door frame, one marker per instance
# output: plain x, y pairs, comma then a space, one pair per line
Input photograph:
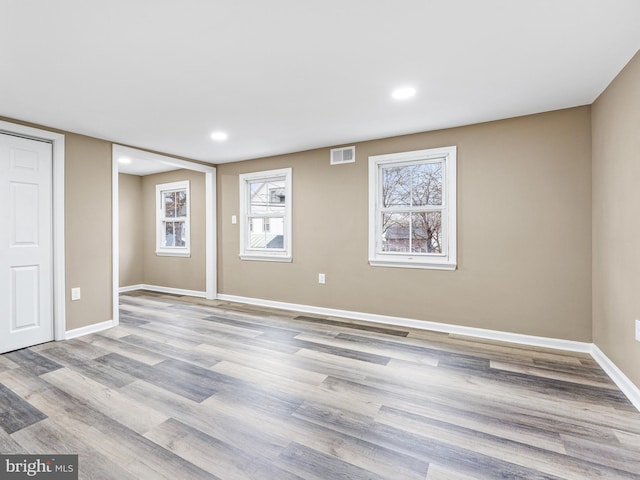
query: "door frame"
209, 171
57, 221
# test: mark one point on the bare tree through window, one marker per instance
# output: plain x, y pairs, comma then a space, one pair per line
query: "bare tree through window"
412, 202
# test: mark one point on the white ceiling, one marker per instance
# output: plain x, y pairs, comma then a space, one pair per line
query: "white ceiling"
288, 75
142, 166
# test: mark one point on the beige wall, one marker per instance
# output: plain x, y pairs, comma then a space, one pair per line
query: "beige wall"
524, 231
88, 229
131, 244
616, 225
175, 272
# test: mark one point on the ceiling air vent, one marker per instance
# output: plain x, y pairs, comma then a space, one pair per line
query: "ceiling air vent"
343, 155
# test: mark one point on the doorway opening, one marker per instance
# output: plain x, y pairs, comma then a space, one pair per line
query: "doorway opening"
146, 163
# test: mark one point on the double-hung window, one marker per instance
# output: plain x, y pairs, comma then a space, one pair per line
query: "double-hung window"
265, 215
172, 219
412, 209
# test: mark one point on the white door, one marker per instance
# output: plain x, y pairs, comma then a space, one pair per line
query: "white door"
26, 276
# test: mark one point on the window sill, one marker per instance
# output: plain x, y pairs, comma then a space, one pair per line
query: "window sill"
173, 254
266, 258
425, 265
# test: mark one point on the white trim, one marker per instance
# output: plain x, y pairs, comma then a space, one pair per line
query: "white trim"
161, 250
211, 274
115, 239
448, 259
58, 257
94, 328
172, 254
266, 258
623, 382
159, 289
131, 288
531, 340
272, 255
422, 264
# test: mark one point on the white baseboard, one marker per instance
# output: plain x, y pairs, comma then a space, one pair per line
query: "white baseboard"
531, 340
131, 288
631, 391
96, 327
159, 289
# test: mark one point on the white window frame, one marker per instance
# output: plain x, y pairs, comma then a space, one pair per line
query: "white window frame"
162, 250
263, 254
447, 260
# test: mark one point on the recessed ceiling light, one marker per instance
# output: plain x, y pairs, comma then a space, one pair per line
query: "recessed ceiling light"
219, 136
124, 160
403, 93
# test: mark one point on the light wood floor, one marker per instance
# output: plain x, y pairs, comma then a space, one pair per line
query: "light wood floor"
190, 389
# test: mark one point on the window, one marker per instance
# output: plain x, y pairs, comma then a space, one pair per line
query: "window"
265, 215
172, 219
412, 209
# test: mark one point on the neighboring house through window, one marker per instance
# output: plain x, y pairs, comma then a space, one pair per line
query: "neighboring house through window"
265, 215
172, 219
412, 209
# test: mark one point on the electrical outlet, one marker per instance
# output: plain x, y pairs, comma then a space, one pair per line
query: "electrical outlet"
638, 330
75, 293
321, 278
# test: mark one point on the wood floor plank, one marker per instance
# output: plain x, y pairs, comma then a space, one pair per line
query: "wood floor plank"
137, 455
172, 351
438, 472
40, 437
209, 453
33, 361
6, 363
126, 350
274, 363
234, 429
87, 366
371, 346
617, 457
205, 389
571, 376
168, 376
393, 331
312, 464
8, 444
15, 412
111, 402
499, 448
355, 451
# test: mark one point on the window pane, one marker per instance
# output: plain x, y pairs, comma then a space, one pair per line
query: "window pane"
276, 195
180, 237
412, 232
169, 204
427, 184
413, 185
266, 233
168, 234
396, 232
181, 203
267, 197
396, 186
426, 232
